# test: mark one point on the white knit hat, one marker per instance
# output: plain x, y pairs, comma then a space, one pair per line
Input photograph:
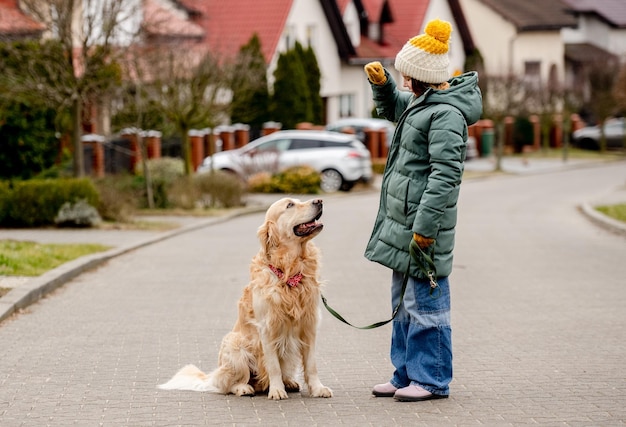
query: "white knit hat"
425, 57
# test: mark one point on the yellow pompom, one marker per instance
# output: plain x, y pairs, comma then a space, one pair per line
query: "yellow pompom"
439, 29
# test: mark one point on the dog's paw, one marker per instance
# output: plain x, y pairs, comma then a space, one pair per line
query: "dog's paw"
291, 386
242, 390
322, 392
277, 394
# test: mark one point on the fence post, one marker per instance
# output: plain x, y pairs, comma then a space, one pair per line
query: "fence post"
152, 140
97, 160
382, 143
271, 127
242, 134
371, 139
196, 141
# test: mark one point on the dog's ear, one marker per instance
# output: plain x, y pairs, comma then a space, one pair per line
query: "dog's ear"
268, 236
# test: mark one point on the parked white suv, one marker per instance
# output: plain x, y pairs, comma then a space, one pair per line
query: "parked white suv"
359, 125
341, 159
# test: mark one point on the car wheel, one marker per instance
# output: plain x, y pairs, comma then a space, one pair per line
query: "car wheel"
347, 186
331, 181
589, 144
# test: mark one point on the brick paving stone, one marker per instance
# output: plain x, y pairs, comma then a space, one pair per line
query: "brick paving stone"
538, 322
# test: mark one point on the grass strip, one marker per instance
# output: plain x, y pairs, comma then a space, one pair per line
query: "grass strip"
617, 212
24, 258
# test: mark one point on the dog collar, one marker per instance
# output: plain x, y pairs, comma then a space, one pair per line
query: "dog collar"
292, 281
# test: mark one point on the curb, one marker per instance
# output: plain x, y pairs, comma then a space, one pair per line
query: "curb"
33, 290
602, 220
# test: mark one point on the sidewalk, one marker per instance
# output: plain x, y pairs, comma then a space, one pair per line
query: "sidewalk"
26, 290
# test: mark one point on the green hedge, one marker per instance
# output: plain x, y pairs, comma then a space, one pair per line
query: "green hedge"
37, 202
5, 193
295, 180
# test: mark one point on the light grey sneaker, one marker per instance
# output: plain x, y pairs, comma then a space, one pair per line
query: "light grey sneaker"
384, 390
415, 393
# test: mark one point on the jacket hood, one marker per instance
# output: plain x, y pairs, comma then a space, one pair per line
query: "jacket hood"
463, 94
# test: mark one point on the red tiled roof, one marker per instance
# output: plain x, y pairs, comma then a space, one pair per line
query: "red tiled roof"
407, 21
14, 22
374, 9
342, 4
230, 24
371, 50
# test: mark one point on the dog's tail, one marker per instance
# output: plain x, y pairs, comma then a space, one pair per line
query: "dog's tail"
236, 363
190, 378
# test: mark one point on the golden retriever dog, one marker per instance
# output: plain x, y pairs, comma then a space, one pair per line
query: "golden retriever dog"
275, 332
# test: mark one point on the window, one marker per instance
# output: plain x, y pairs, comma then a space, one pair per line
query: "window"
346, 105
299, 144
276, 145
532, 74
290, 37
328, 144
311, 35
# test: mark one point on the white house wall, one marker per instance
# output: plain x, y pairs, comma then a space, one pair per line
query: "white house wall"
545, 47
353, 82
352, 23
306, 14
492, 34
440, 9
617, 43
504, 50
592, 30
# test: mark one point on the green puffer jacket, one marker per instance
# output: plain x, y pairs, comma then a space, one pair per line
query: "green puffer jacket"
422, 178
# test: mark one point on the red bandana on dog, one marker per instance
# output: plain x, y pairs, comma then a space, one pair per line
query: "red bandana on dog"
292, 281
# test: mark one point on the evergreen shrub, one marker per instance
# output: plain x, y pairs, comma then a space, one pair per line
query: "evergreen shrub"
5, 194
295, 180
37, 202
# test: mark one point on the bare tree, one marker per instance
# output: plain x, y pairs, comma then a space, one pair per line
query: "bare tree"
502, 96
602, 79
620, 97
183, 83
83, 68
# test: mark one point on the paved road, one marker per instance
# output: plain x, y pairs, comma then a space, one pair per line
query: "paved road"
538, 322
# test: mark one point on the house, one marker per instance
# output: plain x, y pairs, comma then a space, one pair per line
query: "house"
601, 23
15, 24
345, 35
378, 29
520, 38
599, 39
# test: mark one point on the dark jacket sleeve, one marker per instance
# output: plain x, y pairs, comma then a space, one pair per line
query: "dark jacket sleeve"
389, 101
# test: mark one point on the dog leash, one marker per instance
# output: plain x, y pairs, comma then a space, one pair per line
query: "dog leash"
418, 256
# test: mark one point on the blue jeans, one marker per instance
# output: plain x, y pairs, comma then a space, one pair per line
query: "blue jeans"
421, 340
